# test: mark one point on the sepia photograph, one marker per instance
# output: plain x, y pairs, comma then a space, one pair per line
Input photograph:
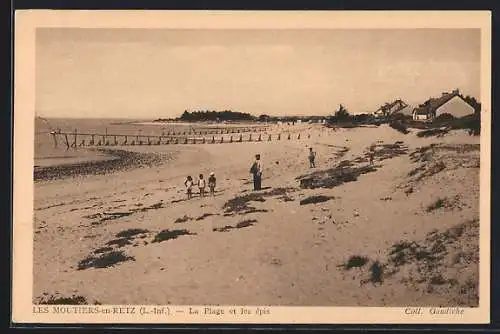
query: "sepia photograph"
267, 166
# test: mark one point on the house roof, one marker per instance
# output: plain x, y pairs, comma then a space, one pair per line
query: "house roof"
388, 107
408, 110
432, 104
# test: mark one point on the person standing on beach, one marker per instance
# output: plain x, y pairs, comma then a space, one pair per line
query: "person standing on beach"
371, 153
256, 170
211, 183
312, 157
189, 186
201, 185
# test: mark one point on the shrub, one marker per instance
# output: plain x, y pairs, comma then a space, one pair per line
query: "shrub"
60, 300
245, 223
242, 224
397, 125
418, 125
432, 132
205, 215
444, 119
400, 117
439, 203
170, 234
131, 232
470, 122
333, 177
355, 261
120, 242
241, 203
315, 199
183, 219
104, 261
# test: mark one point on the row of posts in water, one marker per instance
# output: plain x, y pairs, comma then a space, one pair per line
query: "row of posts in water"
152, 140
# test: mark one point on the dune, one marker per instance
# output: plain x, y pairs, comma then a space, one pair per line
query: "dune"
402, 232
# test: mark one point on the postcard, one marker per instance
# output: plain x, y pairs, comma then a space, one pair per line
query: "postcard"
251, 167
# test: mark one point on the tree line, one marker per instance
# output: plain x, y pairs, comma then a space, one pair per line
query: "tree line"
230, 115
213, 115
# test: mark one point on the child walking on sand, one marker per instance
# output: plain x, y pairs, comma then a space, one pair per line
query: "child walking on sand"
211, 183
189, 186
201, 185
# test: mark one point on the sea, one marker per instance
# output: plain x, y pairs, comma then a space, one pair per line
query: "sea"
49, 151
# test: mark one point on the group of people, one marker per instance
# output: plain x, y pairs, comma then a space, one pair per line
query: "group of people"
256, 170
202, 185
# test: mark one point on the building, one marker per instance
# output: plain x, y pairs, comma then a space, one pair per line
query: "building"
448, 103
390, 108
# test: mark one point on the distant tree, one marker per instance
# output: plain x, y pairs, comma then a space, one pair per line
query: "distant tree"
362, 118
473, 102
443, 119
185, 115
340, 115
212, 115
386, 108
264, 118
399, 117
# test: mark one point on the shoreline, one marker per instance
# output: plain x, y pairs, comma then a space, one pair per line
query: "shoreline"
204, 123
115, 160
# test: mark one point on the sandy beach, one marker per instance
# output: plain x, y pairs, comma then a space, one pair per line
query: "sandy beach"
402, 232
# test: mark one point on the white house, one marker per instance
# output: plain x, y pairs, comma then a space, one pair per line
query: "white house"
448, 103
420, 116
455, 106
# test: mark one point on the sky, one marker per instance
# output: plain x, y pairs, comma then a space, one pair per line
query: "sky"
151, 73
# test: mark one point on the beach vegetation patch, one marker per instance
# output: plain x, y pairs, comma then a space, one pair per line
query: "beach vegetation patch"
432, 132
444, 263
376, 273
246, 223
242, 224
183, 219
333, 177
129, 233
287, 198
104, 261
205, 215
439, 203
315, 199
241, 203
399, 126
223, 229
120, 242
57, 299
103, 250
445, 203
404, 252
355, 261
389, 151
170, 234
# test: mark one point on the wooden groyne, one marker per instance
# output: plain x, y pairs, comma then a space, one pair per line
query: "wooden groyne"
83, 139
